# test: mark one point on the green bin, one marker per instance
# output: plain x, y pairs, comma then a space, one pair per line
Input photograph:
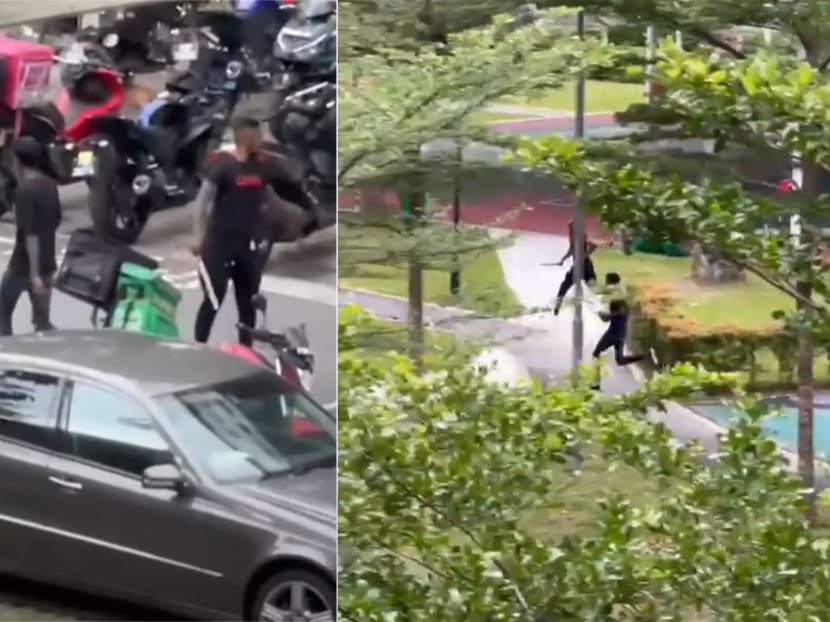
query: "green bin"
145, 302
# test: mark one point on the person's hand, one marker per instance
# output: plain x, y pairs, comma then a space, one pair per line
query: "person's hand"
39, 288
196, 249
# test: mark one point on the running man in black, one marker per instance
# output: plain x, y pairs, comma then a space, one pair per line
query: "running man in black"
228, 228
614, 336
589, 273
38, 214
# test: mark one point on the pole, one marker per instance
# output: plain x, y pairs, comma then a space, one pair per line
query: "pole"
578, 220
650, 45
455, 275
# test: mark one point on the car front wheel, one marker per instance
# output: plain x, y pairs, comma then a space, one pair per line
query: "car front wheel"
295, 596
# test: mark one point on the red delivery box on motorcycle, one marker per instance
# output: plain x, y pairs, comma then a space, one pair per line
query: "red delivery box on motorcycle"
25, 70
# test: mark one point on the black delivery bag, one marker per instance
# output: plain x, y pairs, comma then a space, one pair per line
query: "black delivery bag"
90, 267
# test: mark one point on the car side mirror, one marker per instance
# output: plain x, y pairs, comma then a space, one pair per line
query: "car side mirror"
163, 477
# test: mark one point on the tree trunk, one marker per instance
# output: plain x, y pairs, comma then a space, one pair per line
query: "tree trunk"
805, 377
415, 320
810, 171
416, 311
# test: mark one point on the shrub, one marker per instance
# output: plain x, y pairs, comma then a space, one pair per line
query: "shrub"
656, 322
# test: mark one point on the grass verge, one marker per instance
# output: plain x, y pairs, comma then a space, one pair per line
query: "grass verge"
600, 96
483, 288
380, 337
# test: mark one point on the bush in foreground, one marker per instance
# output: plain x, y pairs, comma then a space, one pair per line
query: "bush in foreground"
461, 500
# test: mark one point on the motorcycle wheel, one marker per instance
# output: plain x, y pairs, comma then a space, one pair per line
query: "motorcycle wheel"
117, 213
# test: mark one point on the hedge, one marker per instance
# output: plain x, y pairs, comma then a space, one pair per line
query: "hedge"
655, 322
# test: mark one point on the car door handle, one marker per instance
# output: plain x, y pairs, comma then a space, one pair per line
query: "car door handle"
65, 483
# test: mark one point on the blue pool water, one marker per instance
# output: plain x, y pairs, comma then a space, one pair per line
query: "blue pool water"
781, 426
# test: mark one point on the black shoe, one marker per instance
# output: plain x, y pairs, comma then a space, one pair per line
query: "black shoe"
596, 387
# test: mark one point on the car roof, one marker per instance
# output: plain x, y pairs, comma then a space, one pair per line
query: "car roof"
152, 364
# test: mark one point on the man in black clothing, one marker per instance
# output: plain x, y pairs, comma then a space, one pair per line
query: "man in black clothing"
38, 214
589, 274
614, 336
229, 224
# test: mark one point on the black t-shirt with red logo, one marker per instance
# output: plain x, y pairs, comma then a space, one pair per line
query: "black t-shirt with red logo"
240, 193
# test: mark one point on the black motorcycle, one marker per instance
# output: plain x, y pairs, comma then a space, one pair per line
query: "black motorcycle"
149, 164
306, 52
140, 42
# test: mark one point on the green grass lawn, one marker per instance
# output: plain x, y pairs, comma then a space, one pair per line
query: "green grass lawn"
483, 288
600, 96
748, 305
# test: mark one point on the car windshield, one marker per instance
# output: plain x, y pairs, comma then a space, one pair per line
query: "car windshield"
251, 428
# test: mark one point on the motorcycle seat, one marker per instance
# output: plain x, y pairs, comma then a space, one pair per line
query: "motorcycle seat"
160, 142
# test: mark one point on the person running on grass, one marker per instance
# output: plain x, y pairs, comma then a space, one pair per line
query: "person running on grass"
589, 273
614, 336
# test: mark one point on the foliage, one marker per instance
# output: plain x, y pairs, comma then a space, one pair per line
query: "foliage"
438, 473
375, 250
377, 339
393, 102
777, 103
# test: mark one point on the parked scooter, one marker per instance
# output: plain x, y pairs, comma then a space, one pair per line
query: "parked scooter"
306, 51
90, 87
288, 354
147, 165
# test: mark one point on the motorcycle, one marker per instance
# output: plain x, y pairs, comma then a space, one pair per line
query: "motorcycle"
288, 354
142, 38
222, 73
230, 35
90, 87
306, 51
307, 122
149, 164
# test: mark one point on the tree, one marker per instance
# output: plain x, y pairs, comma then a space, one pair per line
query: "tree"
396, 98
439, 473
763, 101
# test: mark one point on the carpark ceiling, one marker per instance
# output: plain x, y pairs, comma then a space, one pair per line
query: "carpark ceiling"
14, 12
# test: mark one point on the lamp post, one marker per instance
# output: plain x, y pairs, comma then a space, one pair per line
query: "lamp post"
578, 220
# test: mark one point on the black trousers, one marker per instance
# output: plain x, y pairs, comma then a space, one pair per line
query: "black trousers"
228, 259
589, 274
615, 338
12, 286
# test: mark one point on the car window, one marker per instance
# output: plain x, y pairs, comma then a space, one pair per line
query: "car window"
27, 407
251, 428
113, 431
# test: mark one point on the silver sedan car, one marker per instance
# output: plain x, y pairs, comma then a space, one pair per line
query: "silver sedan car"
166, 474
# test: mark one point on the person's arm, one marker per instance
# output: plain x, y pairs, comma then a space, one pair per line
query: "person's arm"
289, 217
205, 201
206, 198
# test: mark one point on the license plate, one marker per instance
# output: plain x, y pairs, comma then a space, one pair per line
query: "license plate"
185, 52
84, 164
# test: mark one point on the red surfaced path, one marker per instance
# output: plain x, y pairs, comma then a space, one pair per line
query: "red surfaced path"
521, 210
